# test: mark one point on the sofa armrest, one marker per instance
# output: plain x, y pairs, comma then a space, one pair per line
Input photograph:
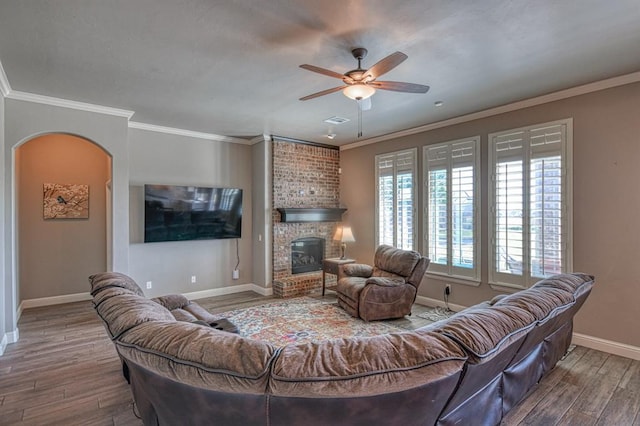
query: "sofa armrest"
184, 309
357, 270
172, 301
385, 298
385, 281
199, 312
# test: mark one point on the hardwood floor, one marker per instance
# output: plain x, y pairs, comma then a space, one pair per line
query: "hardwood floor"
64, 370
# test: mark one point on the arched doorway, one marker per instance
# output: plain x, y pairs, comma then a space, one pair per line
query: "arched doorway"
57, 251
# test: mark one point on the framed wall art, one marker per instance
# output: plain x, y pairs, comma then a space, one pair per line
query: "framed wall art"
65, 201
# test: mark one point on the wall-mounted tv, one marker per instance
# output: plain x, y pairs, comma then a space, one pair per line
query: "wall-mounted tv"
178, 213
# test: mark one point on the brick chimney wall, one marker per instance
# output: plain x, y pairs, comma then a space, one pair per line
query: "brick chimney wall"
304, 176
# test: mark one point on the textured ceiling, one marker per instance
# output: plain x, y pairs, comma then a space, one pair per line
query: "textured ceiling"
231, 67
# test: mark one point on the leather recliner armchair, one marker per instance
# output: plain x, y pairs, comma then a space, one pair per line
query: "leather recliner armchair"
385, 290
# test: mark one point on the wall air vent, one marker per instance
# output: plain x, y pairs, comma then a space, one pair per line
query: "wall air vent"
336, 120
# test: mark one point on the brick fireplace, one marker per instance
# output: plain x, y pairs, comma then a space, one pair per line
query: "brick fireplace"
304, 176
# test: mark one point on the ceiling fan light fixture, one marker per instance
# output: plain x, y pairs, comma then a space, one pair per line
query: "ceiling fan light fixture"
358, 91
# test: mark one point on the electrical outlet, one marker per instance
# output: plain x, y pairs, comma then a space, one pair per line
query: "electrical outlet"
193, 279
236, 274
447, 290
149, 285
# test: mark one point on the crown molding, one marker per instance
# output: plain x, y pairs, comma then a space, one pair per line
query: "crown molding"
189, 133
539, 100
65, 103
260, 138
5, 87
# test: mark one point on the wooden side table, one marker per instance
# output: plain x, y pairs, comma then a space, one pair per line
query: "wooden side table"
333, 266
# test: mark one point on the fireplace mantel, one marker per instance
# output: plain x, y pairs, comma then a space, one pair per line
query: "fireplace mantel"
311, 214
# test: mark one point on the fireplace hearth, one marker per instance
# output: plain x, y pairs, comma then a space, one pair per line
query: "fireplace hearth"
306, 255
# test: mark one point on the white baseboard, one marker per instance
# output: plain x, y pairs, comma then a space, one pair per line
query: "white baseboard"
13, 336
607, 346
229, 290
432, 303
3, 344
53, 300
10, 337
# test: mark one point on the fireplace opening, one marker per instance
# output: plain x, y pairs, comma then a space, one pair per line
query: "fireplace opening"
307, 255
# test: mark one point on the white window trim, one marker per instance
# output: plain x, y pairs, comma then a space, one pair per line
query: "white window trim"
414, 168
475, 280
567, 156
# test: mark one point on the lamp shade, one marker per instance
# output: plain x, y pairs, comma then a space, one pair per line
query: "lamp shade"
358, 91
344, 234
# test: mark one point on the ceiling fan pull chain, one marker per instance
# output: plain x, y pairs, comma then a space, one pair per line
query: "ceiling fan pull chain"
359, 105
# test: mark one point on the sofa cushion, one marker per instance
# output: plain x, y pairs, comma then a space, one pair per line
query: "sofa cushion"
483, 330
123, 312
199, 356
364, 366
109, 292
395, 261
104, 280
351, 287
539, 302
568, 282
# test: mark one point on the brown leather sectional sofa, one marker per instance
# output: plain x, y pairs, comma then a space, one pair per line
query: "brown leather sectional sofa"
469, 369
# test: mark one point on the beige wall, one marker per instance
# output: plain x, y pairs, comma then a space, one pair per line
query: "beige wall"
56, 256
606, 202
158, 158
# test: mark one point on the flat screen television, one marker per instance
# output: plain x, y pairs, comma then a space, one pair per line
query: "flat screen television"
179, 213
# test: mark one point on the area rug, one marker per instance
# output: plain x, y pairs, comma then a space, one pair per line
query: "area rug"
436, 314
302, 319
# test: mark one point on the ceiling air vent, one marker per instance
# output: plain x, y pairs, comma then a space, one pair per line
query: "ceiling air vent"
336, 120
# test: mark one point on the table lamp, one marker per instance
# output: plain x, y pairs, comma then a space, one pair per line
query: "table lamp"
344, 235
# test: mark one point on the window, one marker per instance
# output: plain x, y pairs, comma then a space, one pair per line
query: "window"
451, 208
530, 193
395, 199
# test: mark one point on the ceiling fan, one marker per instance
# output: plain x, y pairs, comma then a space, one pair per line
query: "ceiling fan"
360, 84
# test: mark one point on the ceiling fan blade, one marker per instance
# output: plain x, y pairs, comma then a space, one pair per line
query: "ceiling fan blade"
364, 104
398, 86
385, 65
324, 92
322, 71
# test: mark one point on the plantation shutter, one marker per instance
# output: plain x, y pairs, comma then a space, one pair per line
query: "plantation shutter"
547, 245
395, 174
451, 216
509, 203
385, 203
530, 230
436, 162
